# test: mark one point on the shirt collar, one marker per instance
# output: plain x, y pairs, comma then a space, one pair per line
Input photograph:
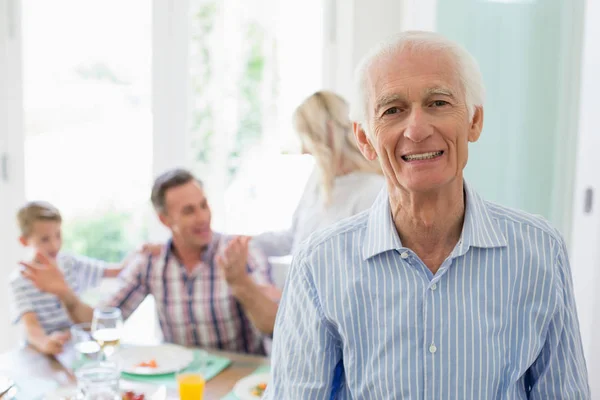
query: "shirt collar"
480, 229
208, 255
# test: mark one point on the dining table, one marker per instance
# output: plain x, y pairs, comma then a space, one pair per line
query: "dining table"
25, 364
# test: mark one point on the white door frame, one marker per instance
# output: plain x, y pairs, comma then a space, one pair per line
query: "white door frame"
170, 88
12, 189
585, 249
169, 82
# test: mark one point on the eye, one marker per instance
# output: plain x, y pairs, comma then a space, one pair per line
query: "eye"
390, 111
439, 103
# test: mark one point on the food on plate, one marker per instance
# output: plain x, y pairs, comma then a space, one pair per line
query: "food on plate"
148, 364
259, 389
130, 395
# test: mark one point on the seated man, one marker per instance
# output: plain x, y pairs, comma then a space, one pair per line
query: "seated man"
210, 290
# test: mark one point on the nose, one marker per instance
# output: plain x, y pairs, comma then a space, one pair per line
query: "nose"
55, 246
418, 128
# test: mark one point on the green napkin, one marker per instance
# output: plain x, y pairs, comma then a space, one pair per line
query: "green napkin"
215, 364
260, 370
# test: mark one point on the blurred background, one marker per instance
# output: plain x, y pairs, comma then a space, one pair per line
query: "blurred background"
97, 97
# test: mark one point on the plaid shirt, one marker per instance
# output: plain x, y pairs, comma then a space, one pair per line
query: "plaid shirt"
194, 308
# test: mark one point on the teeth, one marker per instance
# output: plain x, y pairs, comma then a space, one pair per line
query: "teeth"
423, 156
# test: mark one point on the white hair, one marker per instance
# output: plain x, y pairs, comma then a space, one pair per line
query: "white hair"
466, 65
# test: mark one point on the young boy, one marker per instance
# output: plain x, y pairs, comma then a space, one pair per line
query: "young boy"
43, 316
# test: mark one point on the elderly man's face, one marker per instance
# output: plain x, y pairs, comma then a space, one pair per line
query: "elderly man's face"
419, 120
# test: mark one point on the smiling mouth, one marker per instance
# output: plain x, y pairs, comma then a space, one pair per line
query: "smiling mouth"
422, 156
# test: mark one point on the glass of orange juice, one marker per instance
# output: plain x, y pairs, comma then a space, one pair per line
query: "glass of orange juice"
191, 381
191, 385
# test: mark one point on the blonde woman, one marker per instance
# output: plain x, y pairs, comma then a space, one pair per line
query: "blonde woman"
344, 183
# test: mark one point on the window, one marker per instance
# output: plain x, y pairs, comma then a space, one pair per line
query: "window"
250, 64
88, 126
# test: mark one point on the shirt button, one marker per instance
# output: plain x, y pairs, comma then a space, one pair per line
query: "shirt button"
432, 349
434, 286
404, 255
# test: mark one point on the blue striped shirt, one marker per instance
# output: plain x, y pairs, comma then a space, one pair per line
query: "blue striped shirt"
362, 317
81, 273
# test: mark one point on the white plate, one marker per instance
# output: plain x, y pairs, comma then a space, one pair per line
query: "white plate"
243, 389
150, 392
169, 358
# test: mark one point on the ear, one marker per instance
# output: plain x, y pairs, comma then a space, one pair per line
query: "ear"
364, 143
23, 240
164, 219
476, 125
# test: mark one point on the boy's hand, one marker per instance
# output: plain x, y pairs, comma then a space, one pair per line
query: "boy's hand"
153, 249
45, 275
53, 343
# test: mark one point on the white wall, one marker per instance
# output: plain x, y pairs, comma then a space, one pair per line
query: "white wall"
352, 27
585, 253
11, 186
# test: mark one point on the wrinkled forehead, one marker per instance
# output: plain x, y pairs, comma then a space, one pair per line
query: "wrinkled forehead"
412, 73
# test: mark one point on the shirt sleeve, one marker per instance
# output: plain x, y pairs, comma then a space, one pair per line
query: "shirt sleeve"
259, 266
133, 285
281, 243
560, 371
306, 350
88, 271
21, 291
275, 244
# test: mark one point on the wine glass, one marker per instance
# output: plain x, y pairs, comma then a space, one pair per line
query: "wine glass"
86, 348
107, 325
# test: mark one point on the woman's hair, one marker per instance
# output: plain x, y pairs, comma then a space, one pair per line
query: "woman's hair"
323, 124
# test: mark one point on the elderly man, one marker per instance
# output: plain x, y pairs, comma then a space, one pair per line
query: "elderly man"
209, 290
434, 293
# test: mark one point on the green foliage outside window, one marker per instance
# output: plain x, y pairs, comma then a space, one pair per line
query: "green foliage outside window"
251, 85
104, 235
